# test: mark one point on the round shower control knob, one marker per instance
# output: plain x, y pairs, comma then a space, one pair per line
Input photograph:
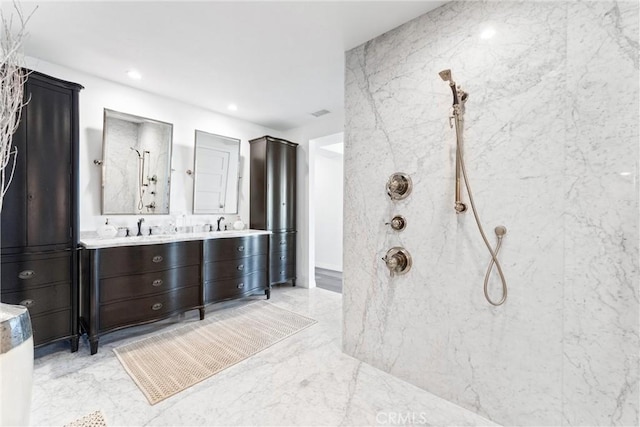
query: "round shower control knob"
398, 223
399, 186
398, 260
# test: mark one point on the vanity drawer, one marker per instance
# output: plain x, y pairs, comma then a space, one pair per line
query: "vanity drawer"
282, 273
224, 289
146, 309
235, 247
119, 261
137, 285
279, 259
285, 241
234, 268
41, 300
51, 326
27, 271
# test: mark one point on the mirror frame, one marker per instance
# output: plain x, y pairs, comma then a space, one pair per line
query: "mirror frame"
120, 114
237, 177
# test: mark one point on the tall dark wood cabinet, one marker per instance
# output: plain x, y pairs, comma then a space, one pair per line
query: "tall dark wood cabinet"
273, 202
40, 212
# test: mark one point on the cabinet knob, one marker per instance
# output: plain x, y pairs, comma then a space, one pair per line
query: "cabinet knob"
283, 242
240, 248
28, 303
157, 259
156, 306
241, 267
240, 285
157, 282
283, 257
26, 274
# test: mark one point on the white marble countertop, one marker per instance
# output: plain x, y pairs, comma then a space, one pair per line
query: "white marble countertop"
95, 242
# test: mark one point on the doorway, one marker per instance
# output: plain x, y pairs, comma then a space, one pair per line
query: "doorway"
327, 190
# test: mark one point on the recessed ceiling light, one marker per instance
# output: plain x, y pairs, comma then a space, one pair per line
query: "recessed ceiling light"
134, 74
487, 33
232, 107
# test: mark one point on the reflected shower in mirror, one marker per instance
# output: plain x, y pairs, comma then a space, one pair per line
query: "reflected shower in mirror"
136, 169
217, 163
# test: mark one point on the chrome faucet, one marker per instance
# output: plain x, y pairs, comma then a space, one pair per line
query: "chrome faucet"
140, 221
219, 219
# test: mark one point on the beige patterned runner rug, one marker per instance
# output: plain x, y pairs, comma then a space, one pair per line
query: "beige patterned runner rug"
94, 419
172, 361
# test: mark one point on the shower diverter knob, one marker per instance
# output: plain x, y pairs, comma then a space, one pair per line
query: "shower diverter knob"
398, 260
398, 223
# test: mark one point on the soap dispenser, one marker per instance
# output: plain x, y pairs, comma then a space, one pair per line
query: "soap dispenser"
107, 231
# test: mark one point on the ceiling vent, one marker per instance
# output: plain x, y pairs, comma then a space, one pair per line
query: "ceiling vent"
320, 113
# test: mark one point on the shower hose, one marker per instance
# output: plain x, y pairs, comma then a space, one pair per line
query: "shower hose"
499, 230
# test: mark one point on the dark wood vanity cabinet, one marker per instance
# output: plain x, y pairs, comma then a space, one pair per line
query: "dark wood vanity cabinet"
273, 202
40, 212
235, 267
132, 285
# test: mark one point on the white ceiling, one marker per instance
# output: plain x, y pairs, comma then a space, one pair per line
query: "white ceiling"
278, 61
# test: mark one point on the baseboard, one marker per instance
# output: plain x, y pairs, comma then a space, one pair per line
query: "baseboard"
329, 272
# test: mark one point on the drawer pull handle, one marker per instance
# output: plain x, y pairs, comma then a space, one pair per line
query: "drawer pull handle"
157, 259
26, 274
283, 257
157, 282
28, 303
241, 267
156, 306
240, 285
283, 242
240, 248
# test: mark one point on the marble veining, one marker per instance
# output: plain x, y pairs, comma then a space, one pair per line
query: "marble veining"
305, 380
552, 154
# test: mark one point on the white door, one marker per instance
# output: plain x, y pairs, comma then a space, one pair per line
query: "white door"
210, 193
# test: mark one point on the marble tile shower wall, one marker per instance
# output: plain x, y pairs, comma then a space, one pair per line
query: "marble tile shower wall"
551, 142
124, 160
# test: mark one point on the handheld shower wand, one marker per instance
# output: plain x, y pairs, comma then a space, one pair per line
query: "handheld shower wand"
459, 98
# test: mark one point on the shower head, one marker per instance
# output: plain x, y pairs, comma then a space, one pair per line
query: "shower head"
446, 76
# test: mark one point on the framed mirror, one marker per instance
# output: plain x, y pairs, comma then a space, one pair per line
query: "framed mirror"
216, 174
136, 164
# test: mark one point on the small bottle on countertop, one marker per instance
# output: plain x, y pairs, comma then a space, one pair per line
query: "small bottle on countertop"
238, 225
107, 231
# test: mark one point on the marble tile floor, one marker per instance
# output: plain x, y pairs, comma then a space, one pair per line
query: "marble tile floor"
304, 380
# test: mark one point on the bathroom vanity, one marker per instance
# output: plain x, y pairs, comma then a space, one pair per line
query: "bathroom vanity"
129, 281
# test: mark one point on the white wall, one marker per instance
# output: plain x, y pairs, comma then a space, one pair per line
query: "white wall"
328, 209
551, 143
99, 94
323, 126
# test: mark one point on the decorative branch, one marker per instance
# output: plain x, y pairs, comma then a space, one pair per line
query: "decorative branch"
13, 77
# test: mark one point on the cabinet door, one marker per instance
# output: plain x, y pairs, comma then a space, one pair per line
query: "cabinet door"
281, 186
14, 206
49, 216
289, 208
